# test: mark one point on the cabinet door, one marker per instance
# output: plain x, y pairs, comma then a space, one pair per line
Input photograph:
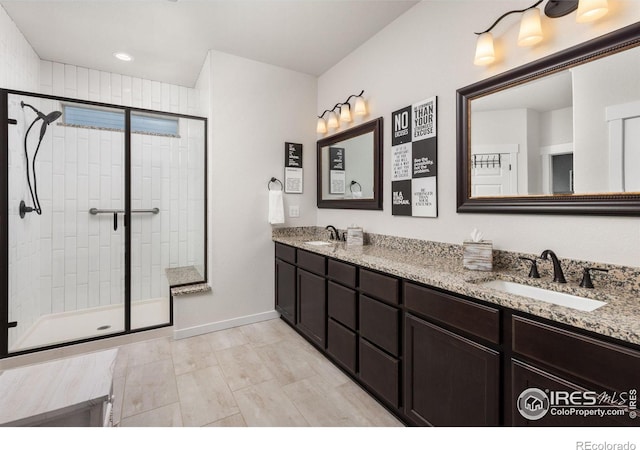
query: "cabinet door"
525, 376
449, 380
341, 344
286, 290
312, 306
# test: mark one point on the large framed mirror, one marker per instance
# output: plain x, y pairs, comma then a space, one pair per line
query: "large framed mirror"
560, 135
350, 168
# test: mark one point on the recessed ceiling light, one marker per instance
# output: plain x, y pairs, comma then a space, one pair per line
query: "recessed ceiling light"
123, 56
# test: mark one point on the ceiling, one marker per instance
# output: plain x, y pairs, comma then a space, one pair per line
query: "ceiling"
169, 39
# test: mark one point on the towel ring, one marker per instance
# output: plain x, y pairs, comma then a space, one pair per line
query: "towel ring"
351, 186
273, 180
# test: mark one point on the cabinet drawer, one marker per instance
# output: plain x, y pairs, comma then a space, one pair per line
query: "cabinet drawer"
379, 323
342, 304
311, 262
379, 286
341, 344
342, 273
380, 372
601, 363
285, 253
479, 320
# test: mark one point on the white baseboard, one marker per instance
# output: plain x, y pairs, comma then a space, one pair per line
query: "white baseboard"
223, 325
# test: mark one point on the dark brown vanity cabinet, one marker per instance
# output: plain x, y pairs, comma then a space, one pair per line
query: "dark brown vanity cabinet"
312, 296
450, 380
342, 338
379, 328
286, 290
435, 358
285, 282
553, 359
312, 306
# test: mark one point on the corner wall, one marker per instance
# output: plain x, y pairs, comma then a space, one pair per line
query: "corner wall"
254, 109
429, 51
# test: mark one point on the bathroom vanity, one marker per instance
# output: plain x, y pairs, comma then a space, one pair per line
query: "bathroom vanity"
437, 348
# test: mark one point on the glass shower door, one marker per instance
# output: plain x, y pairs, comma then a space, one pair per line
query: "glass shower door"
66, 235
167, 235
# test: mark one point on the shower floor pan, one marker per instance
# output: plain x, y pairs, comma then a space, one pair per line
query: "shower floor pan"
99, 321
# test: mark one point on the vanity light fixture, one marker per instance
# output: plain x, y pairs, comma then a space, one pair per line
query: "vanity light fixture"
359, 109
530, 26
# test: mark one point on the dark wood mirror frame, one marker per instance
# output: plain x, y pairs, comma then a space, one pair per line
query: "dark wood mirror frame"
375, 127
599, 204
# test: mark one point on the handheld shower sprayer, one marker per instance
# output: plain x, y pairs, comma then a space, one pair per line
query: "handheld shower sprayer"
46, 121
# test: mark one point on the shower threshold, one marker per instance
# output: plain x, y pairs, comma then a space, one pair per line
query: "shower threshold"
71, 326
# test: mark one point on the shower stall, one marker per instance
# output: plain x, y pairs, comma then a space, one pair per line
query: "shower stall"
98, 203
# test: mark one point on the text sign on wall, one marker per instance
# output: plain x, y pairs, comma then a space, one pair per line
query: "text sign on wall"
414, 160
337, 175
292, 168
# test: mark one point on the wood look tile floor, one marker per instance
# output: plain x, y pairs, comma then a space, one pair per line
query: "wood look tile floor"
263, 374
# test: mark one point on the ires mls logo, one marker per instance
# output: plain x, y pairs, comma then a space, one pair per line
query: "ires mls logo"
533, 404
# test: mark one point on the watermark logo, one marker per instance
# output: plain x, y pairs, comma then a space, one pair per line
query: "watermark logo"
533, 404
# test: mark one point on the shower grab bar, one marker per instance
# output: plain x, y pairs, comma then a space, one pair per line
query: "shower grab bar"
94, 211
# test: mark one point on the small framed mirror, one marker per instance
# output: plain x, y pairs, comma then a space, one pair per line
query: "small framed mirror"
350, 168
556, 136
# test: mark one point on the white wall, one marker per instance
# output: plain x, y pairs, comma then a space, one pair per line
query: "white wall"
596, 86
556, 127
255, 108
416, 57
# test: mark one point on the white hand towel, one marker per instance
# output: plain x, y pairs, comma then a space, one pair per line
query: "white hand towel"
276, 208
357, 194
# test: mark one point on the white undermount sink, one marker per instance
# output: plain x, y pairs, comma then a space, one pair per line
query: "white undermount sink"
318, 243
545, 295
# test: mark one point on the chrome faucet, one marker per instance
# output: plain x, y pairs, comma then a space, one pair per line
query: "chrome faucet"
558, 276
334, 233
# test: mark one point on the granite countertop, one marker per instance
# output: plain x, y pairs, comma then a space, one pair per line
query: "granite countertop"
186, 280
619, 318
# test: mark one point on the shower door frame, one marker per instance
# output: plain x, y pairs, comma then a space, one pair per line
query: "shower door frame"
4, 217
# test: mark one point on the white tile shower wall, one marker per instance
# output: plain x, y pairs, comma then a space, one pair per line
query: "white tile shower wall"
19, 63
80, 256
19, 69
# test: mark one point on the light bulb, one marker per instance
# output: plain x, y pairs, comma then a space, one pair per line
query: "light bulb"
590, 10
360, 108
530, 28
484, 50
332, 121
345, 113
321, 126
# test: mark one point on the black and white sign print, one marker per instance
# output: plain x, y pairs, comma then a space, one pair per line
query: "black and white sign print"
401, 123
414, 160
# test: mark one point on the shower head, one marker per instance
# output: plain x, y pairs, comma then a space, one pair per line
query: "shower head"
47, 120
52, 117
